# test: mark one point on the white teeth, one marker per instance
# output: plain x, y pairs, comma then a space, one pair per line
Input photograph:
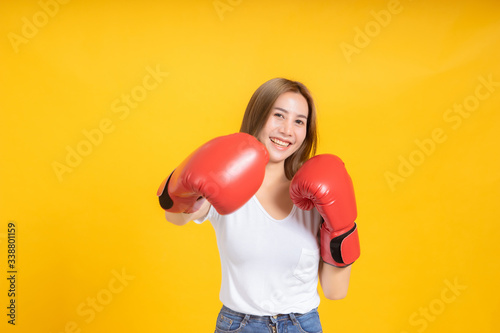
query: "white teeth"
280, 143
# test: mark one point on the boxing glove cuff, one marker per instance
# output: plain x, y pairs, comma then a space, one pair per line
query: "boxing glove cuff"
342, 250
181, 205
165, 200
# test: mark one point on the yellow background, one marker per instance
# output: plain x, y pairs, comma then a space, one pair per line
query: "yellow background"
430, 238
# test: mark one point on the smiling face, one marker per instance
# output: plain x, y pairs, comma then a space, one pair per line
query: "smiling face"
282, 115
286, 126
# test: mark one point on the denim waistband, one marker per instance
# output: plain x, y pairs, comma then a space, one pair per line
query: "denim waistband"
273, 319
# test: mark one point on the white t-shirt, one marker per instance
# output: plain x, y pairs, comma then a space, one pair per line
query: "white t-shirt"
268, 266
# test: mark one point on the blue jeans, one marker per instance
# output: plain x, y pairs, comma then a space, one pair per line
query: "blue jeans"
230, 321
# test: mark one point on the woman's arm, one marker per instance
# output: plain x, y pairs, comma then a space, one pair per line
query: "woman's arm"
334, 280
183, 218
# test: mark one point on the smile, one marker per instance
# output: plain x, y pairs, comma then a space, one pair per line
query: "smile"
280, 143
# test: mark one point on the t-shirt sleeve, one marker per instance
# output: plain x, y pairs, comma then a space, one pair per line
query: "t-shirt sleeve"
211, 216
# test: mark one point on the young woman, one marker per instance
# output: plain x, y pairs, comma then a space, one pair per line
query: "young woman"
246, 185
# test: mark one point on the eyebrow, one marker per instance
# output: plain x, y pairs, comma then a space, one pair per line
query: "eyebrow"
286, 111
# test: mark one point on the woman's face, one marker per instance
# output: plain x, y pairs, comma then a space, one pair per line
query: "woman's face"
286, 126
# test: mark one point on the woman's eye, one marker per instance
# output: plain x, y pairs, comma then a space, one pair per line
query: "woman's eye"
299, 122
279, 115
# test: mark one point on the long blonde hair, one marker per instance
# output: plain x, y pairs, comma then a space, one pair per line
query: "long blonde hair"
259, 108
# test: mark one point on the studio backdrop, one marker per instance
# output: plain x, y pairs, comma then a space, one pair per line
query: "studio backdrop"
101, 100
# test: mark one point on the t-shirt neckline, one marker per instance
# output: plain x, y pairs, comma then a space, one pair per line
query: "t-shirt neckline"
254, 198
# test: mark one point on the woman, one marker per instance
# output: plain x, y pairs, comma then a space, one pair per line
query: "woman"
269, 249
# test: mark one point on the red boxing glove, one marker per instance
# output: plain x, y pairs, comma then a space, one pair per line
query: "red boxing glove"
324, 183
227, 171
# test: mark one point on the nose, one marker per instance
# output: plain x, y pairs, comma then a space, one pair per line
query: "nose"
286, 128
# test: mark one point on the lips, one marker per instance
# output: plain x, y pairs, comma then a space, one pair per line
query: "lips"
280, 143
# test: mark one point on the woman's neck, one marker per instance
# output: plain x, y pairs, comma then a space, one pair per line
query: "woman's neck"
275, 174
